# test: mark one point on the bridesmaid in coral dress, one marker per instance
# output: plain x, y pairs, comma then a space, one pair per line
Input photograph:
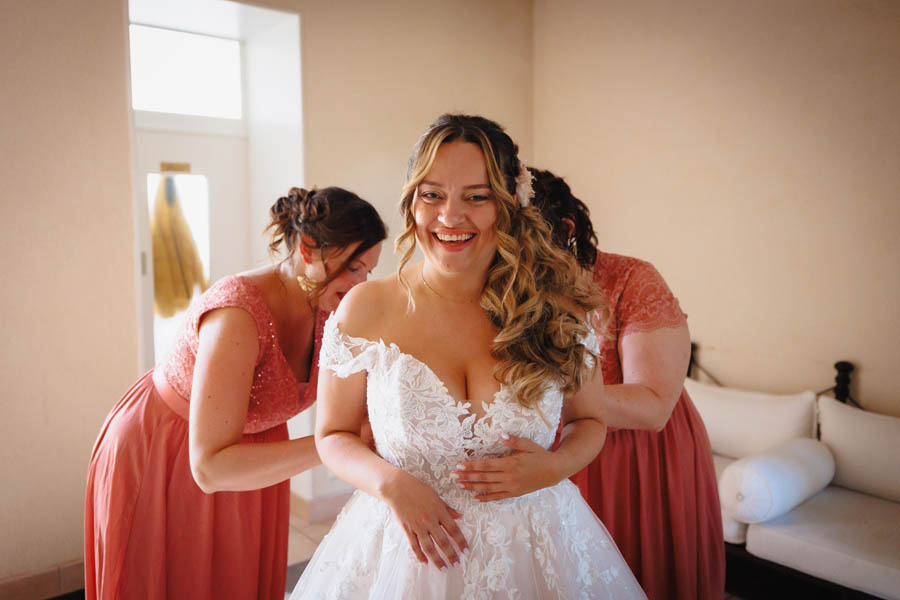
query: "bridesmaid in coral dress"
653, 485
188, 484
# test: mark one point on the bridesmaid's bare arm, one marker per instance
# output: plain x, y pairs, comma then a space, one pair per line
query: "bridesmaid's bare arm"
223, 374
654, 365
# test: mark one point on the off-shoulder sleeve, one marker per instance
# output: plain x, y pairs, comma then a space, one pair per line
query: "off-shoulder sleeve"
592, 345
647, 303
345, 355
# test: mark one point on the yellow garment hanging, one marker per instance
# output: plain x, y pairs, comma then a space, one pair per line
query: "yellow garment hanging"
177, 269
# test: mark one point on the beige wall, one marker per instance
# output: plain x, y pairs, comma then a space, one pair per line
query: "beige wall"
375, 74
69, 319
751, 151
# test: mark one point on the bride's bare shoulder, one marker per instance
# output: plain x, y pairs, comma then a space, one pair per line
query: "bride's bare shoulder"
368, 309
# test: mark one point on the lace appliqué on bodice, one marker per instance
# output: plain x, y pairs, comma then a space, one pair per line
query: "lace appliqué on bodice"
417, 424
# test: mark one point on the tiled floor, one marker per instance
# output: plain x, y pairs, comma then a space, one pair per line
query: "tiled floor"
303, 538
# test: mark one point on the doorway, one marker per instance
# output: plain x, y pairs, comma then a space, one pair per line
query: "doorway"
203, 75
247, 157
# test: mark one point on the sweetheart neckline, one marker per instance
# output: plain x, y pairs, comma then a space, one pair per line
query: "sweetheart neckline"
465, 404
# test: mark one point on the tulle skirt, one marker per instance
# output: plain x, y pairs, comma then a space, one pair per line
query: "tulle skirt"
548, 544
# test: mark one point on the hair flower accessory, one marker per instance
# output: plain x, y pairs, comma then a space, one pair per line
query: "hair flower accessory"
524, 190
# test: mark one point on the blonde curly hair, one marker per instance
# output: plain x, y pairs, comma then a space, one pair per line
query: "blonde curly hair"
533, 293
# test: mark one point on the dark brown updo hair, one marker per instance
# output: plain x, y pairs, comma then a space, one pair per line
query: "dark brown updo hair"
327, 219
556, 202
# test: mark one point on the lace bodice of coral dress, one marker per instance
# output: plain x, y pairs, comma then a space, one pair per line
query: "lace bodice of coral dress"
150, 531
547, 544
655, 491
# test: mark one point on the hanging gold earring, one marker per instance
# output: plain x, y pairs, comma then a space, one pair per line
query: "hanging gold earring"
573, 246
307, 284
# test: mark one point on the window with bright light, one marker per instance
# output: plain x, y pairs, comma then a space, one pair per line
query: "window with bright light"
175, 248
185, 73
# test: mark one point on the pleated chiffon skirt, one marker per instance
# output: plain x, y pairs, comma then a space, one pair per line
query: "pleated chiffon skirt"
151, 532
657, 495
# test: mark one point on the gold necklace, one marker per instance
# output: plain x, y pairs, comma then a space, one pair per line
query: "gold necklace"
437, 293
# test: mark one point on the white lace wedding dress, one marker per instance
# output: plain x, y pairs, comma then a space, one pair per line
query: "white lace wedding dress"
547, 544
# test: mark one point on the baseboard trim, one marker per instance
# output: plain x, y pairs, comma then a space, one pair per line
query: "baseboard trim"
61, 579
69, 576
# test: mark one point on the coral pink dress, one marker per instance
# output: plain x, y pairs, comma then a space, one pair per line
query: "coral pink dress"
655, 492
150, 532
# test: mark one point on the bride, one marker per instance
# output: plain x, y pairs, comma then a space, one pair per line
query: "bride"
478, 352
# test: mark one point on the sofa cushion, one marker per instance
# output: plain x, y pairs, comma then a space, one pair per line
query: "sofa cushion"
767, 485
734, 531
866, 448
838, 535
742, 423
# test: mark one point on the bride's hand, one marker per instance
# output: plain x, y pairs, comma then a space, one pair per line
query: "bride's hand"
531, 467
429, 523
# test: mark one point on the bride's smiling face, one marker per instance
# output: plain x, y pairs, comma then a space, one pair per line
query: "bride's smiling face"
455, 211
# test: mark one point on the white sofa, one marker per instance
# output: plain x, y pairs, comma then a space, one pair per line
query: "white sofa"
827, 507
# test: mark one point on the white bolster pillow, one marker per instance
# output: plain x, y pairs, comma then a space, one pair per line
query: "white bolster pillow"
767, 485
